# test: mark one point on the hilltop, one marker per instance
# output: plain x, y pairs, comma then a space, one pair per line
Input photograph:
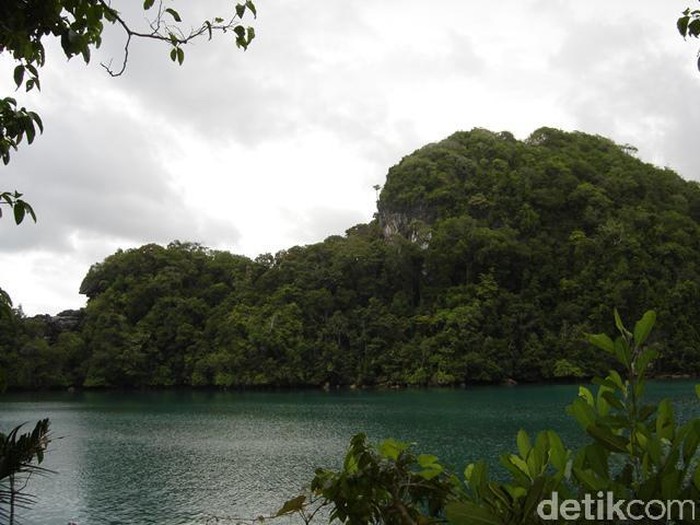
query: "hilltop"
487, 260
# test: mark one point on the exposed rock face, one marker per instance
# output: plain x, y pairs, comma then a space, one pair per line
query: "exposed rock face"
413, 225
67, 320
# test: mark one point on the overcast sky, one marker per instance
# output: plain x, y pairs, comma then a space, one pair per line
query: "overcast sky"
280, 146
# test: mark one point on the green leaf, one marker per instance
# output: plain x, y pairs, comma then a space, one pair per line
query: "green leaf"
622, 352
588, 478
18, 210
692, 440
85, 52
643, 327
694, 28
664, 420
614, 376
682, 25
697, 390
476, 475
174, 14
602, 341
596, 459
469, 513
250, 5
240, 10
427, 460
520, 463
180, 55
607, 439
29, 210
19, 75
618, 322
173, 54
585, 393
37, 120
557, 452
534, 496
391, 448
612, 399
431, 472
147, 4
523, 442
111, 15
582, 412
646, 357
240, 32
29, 130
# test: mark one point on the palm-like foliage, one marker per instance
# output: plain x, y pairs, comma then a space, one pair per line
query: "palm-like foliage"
20, 457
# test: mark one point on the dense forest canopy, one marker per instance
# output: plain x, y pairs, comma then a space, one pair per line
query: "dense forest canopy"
488, 259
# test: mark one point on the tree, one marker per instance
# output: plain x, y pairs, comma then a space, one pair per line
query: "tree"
689, 25
631, 452
20, 454
78, 24
20, 457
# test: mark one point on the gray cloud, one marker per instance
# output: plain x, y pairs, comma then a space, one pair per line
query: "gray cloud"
96, 174
320, 222
639, 93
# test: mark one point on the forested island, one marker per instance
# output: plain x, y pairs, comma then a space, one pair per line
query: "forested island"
488, 260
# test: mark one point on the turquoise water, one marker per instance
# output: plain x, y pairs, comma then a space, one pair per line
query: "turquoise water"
190, 457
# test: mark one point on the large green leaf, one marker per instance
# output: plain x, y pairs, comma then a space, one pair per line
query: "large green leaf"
391, 448
523, 442
619, 324
643, 327
469, 513
602, 341
558, 455
606, 438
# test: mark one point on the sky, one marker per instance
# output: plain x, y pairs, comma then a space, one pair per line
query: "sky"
281, 145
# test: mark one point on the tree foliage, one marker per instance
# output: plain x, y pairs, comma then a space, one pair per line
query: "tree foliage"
78, 25
689, 25
631, 450
489, 259
20, 457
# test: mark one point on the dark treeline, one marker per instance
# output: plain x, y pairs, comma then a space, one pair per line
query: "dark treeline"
488, 259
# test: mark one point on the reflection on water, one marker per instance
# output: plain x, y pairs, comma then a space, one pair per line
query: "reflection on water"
182, 457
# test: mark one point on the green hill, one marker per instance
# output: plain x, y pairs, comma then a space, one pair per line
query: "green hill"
488, 259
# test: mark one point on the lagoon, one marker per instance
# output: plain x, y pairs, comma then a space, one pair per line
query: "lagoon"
190, 457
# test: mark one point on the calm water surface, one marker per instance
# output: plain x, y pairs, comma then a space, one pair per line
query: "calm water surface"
186, 457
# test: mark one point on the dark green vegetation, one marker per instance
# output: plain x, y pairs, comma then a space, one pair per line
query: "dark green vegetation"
20, 457
689, 25
488, 259
635, 451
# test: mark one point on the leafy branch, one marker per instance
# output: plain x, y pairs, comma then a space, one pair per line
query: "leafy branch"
78, 25
20, 457
164, 30
689, 25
